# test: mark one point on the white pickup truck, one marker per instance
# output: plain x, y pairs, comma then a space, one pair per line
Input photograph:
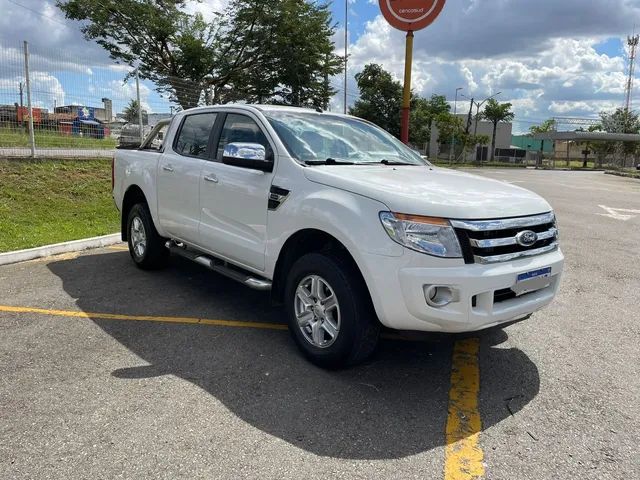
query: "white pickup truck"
346, 226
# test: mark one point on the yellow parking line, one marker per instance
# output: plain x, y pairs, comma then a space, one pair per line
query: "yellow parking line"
143, 318
463, 455
120, 248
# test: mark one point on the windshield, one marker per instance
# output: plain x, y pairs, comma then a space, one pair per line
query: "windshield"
318, 137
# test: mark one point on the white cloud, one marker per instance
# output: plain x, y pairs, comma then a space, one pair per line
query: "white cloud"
557, 74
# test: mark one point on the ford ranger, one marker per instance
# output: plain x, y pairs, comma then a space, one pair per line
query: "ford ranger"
347, 227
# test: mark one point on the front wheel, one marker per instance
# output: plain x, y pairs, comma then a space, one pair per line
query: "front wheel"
329, 311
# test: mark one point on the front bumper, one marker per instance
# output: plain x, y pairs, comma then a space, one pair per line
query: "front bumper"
401, 304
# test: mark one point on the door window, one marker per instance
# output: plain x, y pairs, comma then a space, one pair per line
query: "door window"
193, 138
241, 129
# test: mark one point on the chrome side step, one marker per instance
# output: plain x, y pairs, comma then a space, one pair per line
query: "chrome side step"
220, 266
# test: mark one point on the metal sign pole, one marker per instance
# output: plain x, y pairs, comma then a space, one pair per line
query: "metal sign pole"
406, 94
32, 139
408, 16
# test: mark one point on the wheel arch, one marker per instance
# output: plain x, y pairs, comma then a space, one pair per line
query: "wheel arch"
308, 240
133, 195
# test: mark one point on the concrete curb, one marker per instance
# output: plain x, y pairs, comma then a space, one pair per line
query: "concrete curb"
58, 248
635, 176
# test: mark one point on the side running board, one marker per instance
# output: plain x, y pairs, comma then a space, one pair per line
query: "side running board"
220, 266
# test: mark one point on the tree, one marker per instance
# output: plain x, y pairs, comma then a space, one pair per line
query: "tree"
497, 112
380, 102
423, 114
546, 126
380, 98
254, 49
290, 42
131, 113
619, 121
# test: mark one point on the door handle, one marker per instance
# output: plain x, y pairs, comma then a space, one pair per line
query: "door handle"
167, 168
211, 178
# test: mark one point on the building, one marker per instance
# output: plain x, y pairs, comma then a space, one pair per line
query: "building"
527, 142
440, 147
103, 114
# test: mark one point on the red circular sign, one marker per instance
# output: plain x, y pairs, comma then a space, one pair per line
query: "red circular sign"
411, 15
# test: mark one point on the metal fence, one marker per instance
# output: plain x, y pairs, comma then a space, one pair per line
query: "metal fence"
56, 104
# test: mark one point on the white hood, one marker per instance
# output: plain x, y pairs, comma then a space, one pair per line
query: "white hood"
435, 192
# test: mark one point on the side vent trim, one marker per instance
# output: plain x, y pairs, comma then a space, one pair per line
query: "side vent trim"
277, 196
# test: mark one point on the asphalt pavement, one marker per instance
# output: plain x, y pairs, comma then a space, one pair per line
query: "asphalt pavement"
110, 372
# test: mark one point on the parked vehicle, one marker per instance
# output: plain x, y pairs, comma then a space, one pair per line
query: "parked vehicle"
346, 226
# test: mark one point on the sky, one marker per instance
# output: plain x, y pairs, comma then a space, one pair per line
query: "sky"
548, 57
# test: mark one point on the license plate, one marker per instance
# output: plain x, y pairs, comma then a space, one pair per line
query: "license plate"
543, 272
531, 281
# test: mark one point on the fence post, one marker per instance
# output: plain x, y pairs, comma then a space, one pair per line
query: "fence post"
139, 106
32, 139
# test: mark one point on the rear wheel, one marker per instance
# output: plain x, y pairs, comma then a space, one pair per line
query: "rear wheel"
146, 246
329, 311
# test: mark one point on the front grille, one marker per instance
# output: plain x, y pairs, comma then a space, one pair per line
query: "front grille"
503, 240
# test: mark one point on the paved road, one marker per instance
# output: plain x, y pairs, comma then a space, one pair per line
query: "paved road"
57, 152
86, 395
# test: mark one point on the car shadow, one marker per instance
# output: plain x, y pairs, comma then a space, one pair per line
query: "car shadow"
393, 406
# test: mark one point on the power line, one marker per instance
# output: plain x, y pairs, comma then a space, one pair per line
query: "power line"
37, 12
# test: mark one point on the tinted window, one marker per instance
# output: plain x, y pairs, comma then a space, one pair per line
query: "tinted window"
241, 129
193, 139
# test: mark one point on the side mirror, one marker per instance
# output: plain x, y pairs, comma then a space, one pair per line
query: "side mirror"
247, 155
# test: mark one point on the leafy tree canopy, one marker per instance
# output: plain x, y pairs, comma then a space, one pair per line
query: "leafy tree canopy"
380, 102
255, 49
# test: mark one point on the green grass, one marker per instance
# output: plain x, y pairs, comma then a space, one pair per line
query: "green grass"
10, 137
50, 201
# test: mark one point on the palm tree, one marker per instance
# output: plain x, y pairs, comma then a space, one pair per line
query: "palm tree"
497, 112
131, 114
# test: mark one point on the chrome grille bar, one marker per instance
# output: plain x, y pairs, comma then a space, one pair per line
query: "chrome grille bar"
505, 242
507, 257
503, 224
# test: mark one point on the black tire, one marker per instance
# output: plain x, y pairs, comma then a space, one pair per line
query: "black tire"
154, 255
359, 328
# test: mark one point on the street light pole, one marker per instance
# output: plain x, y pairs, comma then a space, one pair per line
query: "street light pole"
455, 112
478, 105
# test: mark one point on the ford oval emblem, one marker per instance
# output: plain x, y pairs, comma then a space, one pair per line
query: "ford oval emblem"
527, 238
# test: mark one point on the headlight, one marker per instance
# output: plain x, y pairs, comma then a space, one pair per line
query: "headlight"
430, 235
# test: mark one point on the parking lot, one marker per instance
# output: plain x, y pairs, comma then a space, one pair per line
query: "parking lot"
111, 372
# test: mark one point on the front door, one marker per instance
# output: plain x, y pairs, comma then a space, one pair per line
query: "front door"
233, 200
179, 171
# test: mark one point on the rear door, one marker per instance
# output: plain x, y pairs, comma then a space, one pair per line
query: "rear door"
233, 200
179, 171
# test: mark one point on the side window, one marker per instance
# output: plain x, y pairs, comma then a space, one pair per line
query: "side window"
155, 139
241, 129
193, 138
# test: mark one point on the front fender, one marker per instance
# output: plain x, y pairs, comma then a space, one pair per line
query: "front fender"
350, 218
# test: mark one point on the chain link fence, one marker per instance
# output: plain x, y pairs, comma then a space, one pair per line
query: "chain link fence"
55, 104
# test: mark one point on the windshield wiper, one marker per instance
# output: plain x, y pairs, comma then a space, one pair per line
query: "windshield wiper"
328, 161
393, 162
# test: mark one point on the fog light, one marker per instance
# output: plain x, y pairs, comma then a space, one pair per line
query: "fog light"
439, 296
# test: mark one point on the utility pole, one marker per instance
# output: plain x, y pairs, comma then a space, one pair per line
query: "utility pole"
455, 112
469, 116
346, 50
139, 107
21, 86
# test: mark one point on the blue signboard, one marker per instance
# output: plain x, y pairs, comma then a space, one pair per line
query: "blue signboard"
86, 113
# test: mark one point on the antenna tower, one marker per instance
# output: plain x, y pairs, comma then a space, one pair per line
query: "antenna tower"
632, 42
